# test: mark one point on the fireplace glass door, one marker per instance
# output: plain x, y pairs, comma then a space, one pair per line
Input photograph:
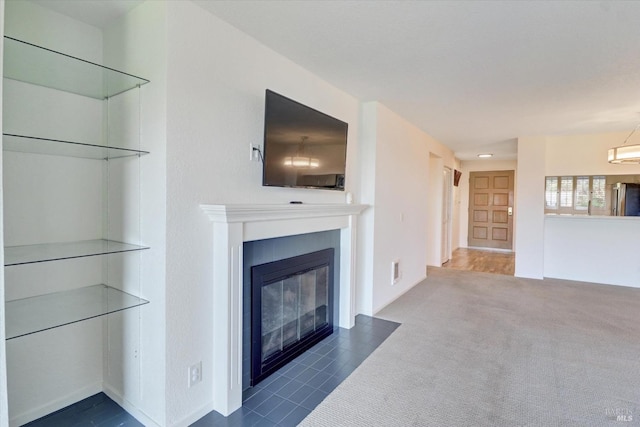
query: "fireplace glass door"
291, 309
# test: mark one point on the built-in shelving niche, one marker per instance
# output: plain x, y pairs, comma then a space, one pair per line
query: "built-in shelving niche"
29, 63
40, 313
56, 147
35, 314
33, 64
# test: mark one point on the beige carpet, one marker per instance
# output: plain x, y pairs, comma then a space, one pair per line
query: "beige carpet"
478, 349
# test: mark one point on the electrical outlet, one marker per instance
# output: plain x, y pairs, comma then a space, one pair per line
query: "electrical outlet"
254, 152
195, 374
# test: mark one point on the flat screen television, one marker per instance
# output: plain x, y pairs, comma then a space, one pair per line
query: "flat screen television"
303, 147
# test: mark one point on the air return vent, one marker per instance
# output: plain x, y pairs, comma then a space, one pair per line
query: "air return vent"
395, 271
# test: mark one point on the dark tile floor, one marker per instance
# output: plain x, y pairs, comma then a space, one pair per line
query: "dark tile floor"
98, 410
283, 399
290, 394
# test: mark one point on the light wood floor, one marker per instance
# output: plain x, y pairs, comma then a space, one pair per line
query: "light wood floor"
483, 260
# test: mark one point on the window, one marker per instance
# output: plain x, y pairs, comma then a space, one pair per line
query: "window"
576, 195
598, 193
566, 192
582, 193
551, 192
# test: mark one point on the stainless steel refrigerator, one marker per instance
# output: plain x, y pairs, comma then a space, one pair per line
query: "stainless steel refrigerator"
625, 199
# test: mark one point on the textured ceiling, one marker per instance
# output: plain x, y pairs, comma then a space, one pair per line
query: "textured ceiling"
473, 74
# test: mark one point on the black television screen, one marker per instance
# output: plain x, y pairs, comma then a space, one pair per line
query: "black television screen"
302, 146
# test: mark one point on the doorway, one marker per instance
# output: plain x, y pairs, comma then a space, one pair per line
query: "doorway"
491, 209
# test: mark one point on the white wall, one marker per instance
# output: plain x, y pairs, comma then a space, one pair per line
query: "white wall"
216, 81
396, 225
54, 184
434, 210
466, 167
366, 242
554, 155
137, 43
401, 201
585, 154
30, 22
592, 249
529, 204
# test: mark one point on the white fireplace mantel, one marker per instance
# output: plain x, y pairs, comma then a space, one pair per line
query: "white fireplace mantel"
232, 226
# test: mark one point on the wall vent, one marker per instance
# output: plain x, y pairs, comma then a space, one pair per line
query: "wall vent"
395, 271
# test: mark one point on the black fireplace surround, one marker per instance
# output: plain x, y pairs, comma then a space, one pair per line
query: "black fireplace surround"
291, 309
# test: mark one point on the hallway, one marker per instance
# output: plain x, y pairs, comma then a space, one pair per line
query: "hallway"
483, 260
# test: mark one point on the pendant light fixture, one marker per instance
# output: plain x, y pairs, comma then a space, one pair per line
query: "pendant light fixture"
625, 154
300, 160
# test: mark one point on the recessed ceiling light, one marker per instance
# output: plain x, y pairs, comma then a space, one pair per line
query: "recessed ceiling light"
486, 155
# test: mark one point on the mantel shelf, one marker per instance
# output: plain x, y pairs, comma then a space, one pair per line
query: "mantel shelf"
270, 212
40, 313
28, 254
56, 147
37, 65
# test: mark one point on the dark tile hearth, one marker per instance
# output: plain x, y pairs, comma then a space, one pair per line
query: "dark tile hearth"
291, 393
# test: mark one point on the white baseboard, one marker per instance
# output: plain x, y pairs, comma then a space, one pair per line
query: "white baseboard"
482, 248
130, 408
395, 297
194, 416
55, 405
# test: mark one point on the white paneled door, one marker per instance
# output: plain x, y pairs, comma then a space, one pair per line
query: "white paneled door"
491, 209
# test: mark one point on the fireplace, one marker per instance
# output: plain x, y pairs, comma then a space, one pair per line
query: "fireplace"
291, 309
232, 226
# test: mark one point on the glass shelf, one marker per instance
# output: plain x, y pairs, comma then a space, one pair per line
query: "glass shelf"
28, 254
37, 65
56, 147
40, 313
